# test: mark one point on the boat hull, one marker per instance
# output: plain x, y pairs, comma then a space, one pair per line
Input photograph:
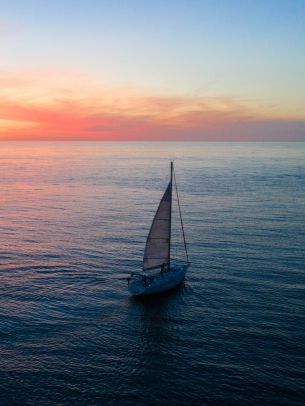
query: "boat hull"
160, 282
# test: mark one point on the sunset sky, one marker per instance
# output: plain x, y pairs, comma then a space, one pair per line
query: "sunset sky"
152, 70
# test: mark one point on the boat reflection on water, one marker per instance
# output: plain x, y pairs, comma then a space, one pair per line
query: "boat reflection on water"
158, 320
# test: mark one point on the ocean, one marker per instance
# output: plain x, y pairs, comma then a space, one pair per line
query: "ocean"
74, 217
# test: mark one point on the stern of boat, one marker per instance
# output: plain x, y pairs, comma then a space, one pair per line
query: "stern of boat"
146, 283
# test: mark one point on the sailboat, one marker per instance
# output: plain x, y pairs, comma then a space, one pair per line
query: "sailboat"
160, 272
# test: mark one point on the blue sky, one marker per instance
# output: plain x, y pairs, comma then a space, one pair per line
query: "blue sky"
252, 52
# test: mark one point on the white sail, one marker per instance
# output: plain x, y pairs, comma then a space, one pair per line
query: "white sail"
157, 249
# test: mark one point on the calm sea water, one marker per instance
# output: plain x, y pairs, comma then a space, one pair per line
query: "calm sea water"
74, 219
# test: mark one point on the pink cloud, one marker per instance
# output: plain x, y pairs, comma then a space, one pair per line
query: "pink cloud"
65, 105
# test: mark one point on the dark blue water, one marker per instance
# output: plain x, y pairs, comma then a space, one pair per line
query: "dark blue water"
74, 218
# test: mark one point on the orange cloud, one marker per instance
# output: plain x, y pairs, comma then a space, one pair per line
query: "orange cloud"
65, 105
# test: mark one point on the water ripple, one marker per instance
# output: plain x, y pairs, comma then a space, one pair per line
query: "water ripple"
73, 225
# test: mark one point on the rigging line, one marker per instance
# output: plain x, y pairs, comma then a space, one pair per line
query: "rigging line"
185, 247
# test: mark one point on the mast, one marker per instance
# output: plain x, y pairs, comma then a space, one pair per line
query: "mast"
181, 221
170, 215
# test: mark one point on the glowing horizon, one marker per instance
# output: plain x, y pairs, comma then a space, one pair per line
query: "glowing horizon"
47, 95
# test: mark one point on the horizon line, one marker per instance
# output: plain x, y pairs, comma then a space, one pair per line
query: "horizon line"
156, 141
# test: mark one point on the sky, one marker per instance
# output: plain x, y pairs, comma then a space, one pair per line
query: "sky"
211, 70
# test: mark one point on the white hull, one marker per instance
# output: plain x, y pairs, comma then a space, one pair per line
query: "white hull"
143, 284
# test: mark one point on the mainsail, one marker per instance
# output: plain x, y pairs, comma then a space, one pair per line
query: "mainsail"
157, 249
